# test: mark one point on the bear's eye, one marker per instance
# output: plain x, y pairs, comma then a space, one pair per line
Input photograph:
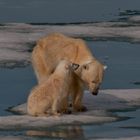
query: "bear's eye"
85, 67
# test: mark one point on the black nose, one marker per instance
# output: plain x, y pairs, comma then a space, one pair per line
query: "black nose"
94, 93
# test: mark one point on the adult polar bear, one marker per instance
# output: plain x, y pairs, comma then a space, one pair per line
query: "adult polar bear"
55, 47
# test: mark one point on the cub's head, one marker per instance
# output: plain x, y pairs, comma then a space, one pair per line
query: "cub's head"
66, 67
91, 74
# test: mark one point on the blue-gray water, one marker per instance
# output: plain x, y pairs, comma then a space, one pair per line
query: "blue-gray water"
15, 84
56, 11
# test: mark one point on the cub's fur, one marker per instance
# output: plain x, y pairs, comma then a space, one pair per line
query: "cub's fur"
52, 92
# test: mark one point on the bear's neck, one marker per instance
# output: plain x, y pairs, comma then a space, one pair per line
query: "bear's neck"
83, 55
85, 60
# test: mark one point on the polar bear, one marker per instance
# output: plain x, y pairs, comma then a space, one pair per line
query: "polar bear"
50, 94
51, 49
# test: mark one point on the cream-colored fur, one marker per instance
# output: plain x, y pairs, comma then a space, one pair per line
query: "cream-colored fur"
51, 93
51, 49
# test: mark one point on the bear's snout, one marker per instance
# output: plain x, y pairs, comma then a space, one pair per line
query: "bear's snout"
95, 93
94, 88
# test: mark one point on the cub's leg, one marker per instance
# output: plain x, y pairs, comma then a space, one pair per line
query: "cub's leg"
55, 107
42, 107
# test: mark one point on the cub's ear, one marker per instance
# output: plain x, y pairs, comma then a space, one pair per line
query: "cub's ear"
75, 66
66, 66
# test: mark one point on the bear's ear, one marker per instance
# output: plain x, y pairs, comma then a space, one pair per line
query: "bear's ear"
105, 67
75, 66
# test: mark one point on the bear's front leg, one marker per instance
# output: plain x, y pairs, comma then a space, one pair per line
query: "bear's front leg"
64, 106
77, 101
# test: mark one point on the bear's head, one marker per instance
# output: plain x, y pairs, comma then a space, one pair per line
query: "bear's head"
91, 73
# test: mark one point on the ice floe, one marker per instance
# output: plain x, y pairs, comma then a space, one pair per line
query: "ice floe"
106, 100
99, 111
134, 19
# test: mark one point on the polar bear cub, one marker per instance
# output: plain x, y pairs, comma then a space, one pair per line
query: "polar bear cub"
50, 94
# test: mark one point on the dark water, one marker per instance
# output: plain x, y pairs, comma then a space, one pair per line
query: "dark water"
15, 85
58, 11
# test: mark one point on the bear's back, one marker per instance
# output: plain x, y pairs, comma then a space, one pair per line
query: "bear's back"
55, 47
